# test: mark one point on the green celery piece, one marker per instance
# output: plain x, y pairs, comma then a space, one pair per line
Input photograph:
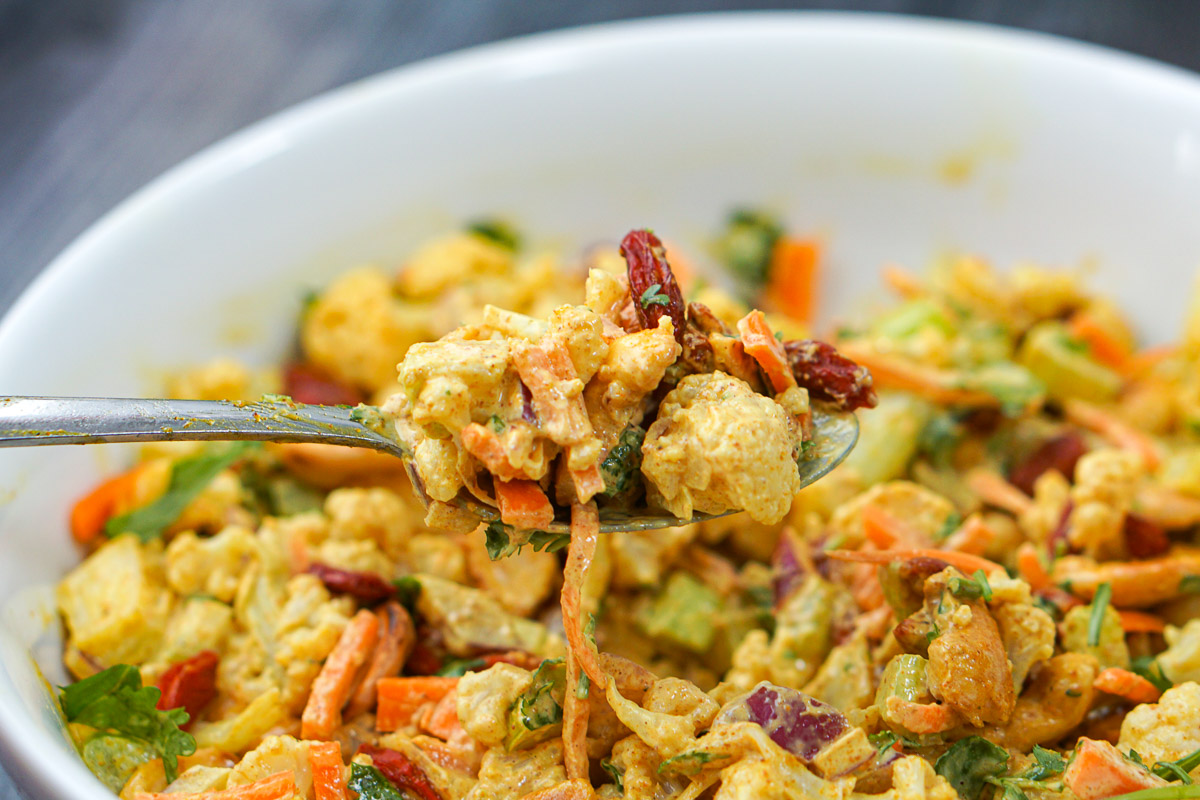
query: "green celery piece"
1067, 371
113, 758
913, 317
684, 613
888, 437
189, 477
745, 248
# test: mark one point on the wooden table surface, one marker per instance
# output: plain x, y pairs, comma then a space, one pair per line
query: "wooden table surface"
99, 96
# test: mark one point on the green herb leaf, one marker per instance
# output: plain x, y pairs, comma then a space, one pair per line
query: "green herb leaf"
690, 763
1180, 768
1172, 792
536, 713
496, 539
584, 686
971, 588
616, 773
623, 462
550, 542
189, 477
408, 589
497, 232
369, 784
654, 296
503, 540
1048, 764
1099, 609
497, 424
114, 701
969, 763
1149, 668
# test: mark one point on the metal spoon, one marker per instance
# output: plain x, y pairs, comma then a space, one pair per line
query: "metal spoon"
31, 421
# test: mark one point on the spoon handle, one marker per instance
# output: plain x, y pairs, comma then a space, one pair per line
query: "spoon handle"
31, 421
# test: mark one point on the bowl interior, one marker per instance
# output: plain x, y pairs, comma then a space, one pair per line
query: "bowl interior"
895, 140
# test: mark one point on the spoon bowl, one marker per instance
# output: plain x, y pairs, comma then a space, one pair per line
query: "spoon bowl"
35, 421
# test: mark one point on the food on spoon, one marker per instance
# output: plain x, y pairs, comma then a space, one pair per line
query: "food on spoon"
526, 414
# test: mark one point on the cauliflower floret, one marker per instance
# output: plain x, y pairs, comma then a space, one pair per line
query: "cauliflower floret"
521, 582
276, 754
633, 367
449, 262
1181, 660
437, 555
1105, 484
1051, 493
583, 334
1045, 293
243, 730
639, 764
454, 380
357, 331
469, 620
913, 778
374, 514
359, 555
219, 379
1167, 730
1028, 634
508, 776
484, 699
213, 565
717, 445
115, 605
437, 464
200, 623
217, 505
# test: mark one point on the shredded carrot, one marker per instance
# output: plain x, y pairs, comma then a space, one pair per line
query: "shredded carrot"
885, 530
1141, 622
523, 504
585, 528
792, 276
865, 587
1030, 567
588, 482
483, 443
973, 537
441, 719
760, 343
902, 282
280, 786
963, 561
922, 718
994, 490
1130, 685
90, 514
323, 712
1143, 361
1114, 429
1104, 347
328, 771
399, 699
895, 372
576, 711
1099, 770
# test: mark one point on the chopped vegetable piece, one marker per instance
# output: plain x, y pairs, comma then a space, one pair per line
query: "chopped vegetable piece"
1130, 685
91, 513
325, 759
369, 784
189, 477
114, 701
792, 276
684, 613
279, 786
796, 722
747, 245
1099, 771
400, 771
970, 763
497, 232
761, 345
1066, 371
333, 684
401, 698
191, 684
621, 467
537, 713
523, 504
1096, 619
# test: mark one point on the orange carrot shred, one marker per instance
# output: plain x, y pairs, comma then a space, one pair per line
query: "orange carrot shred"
902, 282
1030, 567
585, 528
792, 276
90, 514
1116, 430
328, 771
1106, 349
279, 786
1130, 685
1141, 622
760, 343
1099, 770
323, 711
399, 699
996, 491
442, 719
523, 504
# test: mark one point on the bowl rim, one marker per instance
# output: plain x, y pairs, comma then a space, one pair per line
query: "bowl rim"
28, 752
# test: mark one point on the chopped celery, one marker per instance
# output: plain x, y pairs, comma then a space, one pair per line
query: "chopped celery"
888, 437
684, 613
537, 713
745, 248
1014, 386
904, 677
1064, 367
912, 317
804, 629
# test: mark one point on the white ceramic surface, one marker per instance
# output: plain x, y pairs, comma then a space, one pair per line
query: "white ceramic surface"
895, 139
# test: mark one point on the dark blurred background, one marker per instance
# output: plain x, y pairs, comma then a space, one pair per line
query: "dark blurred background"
99, 96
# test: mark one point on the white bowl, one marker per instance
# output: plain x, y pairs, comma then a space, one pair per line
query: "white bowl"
894, 138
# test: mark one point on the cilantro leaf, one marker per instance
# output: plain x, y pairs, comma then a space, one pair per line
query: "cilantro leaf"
690, 763
969, 763
496, 232
189, 477
114, 701
745, 247
503, 540
654, 296
1099, 609
370, 784
1048, 764
1189, 584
